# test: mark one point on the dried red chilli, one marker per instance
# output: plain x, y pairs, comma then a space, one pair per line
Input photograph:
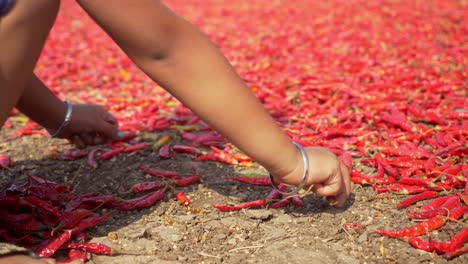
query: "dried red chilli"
90, 222
134, 148
160, 173
147, 186
416, 181
407, 189
101, 201
73, 155
187, 180
456, 253
5, 161
442, 210
183, 199
227, 208
50, 249
74, 255
416, 198
217, 158
92, 157
296, 201
73, 218
111, 153
263, 181
418, 229
144, 201
279, 204
437, 202
94, 248
38, 203
456, 242
274, 194
186, 149
457, 212
165, 152
421, 244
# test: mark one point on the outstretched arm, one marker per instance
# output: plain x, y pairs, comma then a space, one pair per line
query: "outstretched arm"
180, 58
89, 124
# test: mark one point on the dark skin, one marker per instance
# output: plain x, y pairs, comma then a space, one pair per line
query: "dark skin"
164, 51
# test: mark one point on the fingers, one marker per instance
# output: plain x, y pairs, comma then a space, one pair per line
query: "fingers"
345, 188
77, 141
108, 127
338, 186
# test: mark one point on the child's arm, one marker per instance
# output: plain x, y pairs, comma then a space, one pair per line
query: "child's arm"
182, 60
87, 121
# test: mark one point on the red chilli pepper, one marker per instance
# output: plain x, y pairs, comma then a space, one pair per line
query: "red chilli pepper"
416, 198
296, 201
50, 249
421, 244
135, 147
407, 189
73, 255
455, 253
92, 157
279, 204
186, 181
442, 210
141, 202
94, 248
5, 161
73, 218
111, 153
457, 212
160, 173
183, 199
147, 186
39, 203
227, 208
415, 230
437, 202
263, 181
89, 222
453, 244
165, 152
274, 194
186, 149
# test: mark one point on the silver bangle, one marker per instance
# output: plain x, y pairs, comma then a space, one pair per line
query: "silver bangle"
305, 158
65, 122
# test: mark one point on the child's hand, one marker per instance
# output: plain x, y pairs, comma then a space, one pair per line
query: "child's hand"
90, 125
329, 177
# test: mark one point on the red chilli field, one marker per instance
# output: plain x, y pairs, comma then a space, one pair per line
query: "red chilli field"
383, 84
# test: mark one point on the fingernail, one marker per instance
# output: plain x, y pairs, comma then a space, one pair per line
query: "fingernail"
120, 134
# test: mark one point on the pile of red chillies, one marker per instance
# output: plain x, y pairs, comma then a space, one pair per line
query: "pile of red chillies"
49, 218
380, 83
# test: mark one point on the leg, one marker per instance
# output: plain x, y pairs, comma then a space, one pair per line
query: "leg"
23, 31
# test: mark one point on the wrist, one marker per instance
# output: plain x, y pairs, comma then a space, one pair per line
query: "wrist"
291, 170
303, 179
62, 123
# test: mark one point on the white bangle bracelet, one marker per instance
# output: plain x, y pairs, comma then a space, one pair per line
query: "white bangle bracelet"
305, 158
65, 122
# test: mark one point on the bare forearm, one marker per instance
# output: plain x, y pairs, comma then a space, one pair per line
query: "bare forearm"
200, 77
41, 105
